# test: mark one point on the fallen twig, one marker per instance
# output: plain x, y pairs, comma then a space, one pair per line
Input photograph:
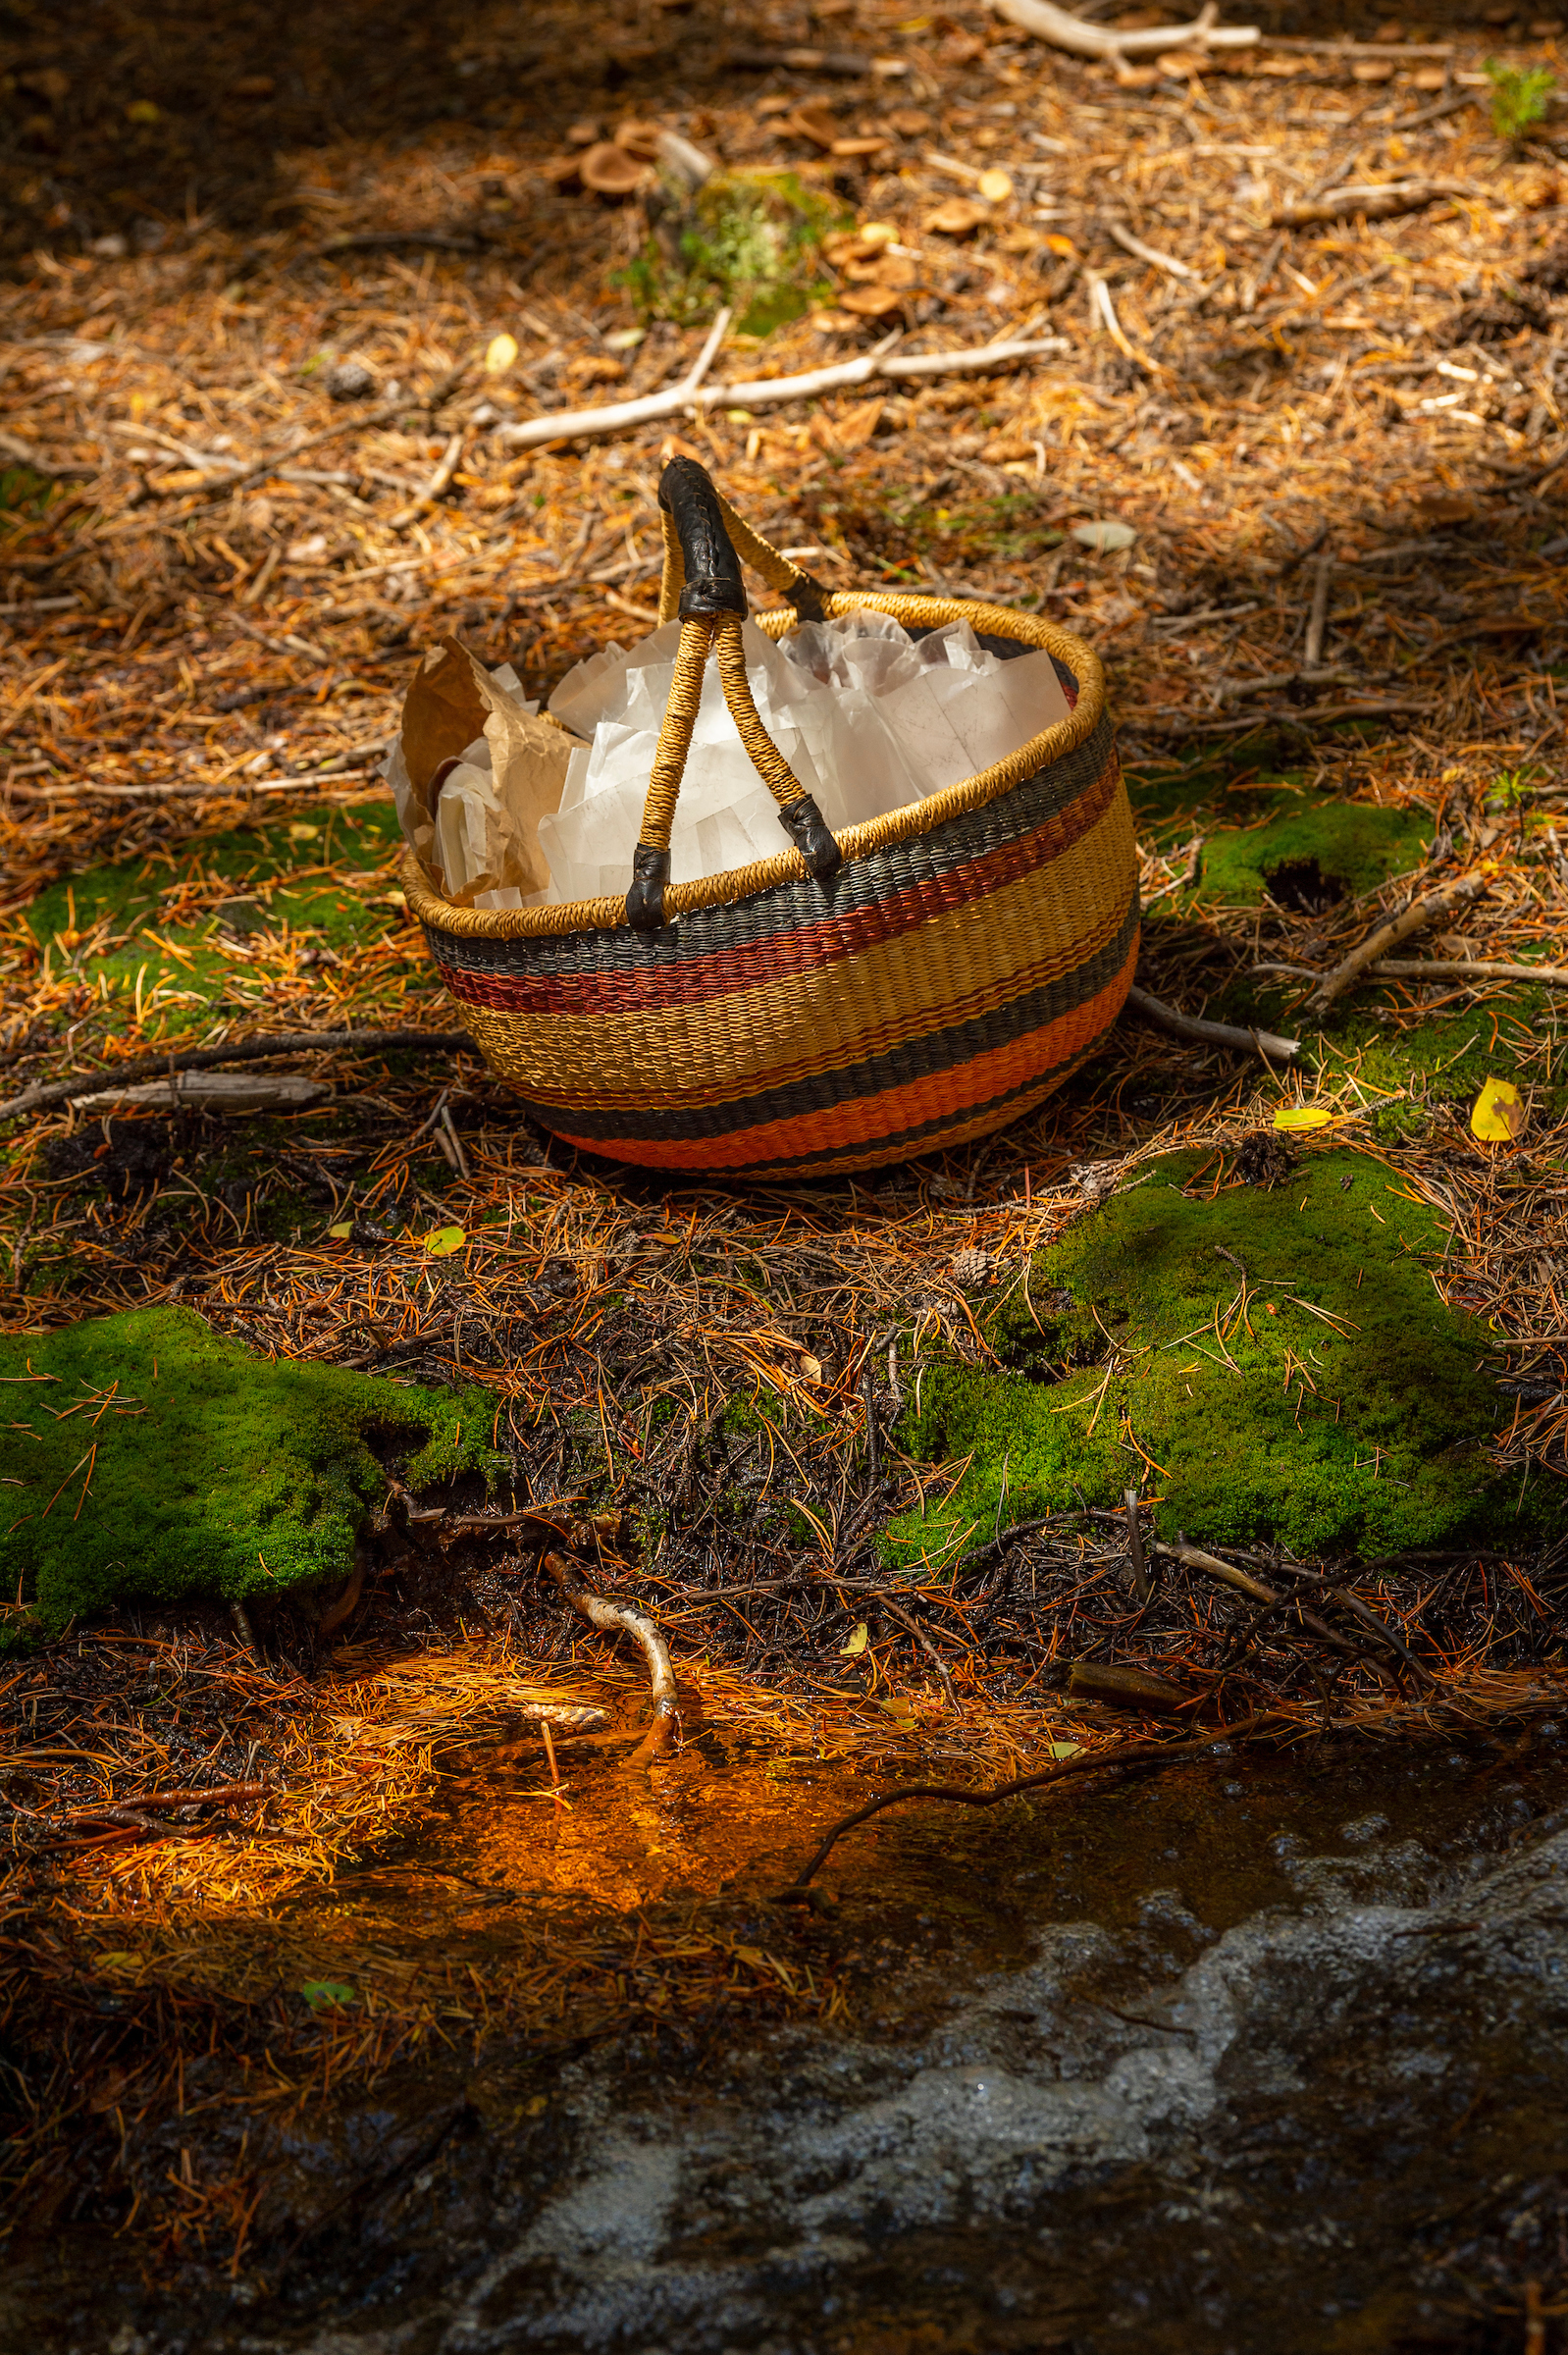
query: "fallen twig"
576, 425
211, 1091
1148, 253
1388, 936
438, 485
1094, 1762
47, 1093
224, 1795
600, 1611
1213, 1034
1379, 202
897, 1611
1464, 968
1070, 32
1255, 1590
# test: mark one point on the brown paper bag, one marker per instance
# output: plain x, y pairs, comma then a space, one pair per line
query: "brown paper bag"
454, 707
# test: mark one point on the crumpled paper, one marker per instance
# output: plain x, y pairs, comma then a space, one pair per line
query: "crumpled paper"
472, 773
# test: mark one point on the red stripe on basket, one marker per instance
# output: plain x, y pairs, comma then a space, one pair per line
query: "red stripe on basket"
892, 1111
780, 956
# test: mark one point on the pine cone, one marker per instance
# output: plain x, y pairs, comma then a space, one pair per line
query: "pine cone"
970, 1267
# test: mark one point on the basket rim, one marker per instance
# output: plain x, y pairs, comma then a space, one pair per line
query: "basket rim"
555, 921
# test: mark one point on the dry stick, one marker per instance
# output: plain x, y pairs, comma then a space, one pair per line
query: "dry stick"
1121, 1755
1196, 1559
230, 1795
1148, 253
600, 1612
896, 1611
1318, 618
1070, 32
1255, 1590
1213, 1034
1388, 936
1436, 114
572, 425
1378, 203
1463, 969
439, 484
1136, 1560
44, 1095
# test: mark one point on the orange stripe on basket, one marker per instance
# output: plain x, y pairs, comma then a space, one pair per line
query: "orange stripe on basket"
784, 954
891, 1111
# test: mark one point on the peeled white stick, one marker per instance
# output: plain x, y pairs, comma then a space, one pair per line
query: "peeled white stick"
1064, 32
1148, 253
705, 358
576, 425
1212, 1035
600, 1611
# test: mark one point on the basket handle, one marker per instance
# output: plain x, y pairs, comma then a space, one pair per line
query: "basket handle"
704, 541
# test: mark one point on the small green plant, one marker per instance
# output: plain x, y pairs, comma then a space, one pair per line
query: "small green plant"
749, 239
1519, 99
23, 493
1513, 786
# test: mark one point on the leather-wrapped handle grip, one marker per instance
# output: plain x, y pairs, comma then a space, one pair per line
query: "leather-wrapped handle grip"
714, 583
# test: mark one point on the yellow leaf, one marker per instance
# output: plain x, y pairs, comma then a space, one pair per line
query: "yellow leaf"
1497, 1115
810, 1367
303, 833
443, 1241
995, 186
857, 1642
1065, 1749
340, 1234
500, 355
1057, 243
1292, 1116
899, 1710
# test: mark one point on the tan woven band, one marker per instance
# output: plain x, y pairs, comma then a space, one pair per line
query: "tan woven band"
675, 734
766, 758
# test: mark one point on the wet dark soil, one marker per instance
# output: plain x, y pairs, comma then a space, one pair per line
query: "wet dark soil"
1266, 2053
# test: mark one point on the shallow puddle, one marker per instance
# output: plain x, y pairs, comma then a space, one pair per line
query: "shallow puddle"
1265, 2051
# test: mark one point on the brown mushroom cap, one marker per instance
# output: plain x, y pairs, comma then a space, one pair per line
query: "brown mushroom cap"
639, 139
958, 217
611, 170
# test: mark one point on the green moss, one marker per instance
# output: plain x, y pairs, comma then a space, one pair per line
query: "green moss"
126, 927
1346, 1409
1343, 848
147, 1458
1259, 820
749, 239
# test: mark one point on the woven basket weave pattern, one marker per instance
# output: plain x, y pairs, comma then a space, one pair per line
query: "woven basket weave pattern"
943, 982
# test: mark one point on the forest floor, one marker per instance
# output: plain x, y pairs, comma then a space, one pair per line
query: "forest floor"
248, 336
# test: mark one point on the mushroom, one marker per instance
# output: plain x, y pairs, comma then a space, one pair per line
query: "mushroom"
611, 170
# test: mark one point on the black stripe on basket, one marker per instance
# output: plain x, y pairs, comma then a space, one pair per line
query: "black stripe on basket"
789, 906
901, 1144
913, 1058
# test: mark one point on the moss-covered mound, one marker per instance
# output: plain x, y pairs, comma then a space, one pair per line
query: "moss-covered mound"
1264, 1364
1309, 851
146, 1457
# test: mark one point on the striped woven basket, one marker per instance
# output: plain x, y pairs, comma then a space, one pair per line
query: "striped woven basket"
917, 982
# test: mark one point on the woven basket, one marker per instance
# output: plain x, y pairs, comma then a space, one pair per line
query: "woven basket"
923, 979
